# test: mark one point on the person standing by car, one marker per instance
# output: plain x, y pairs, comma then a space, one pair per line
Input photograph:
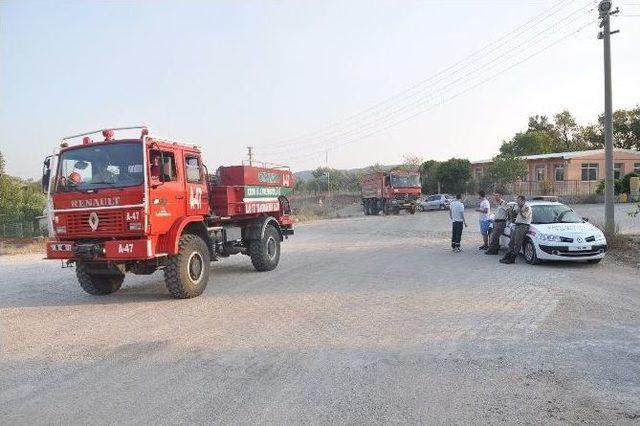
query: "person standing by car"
499, 223
456, 214
522, 222
484, 208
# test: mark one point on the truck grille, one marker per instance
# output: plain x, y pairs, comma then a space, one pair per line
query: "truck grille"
406, 197
110, 222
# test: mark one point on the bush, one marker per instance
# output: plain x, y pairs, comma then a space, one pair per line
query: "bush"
625, 185
618, 187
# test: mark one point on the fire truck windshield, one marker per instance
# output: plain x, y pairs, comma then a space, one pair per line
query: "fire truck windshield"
98, 166
405, 181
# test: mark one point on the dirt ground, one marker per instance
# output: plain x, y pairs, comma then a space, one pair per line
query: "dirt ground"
366, 320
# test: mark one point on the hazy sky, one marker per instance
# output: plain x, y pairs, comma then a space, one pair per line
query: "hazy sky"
288, 76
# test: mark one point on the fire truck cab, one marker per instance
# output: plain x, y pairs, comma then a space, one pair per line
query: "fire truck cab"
142, 204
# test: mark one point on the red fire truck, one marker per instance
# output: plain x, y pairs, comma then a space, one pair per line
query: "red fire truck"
390, 192
141, 204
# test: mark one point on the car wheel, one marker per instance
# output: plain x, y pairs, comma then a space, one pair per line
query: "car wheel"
441, 206
530, 255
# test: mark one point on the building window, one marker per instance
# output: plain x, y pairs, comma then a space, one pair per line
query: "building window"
618, 170
559, 172
636, 168
540, 173
589, 172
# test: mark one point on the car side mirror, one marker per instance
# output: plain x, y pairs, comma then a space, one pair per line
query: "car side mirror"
46, 174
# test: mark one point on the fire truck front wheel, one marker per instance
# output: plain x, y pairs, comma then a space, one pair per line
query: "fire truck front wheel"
265, 253
97, 284
187, 273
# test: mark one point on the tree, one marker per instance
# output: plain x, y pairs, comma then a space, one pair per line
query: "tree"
567, 127
540, 123
411, 163
530, 143
454, 174
505, 169
429, 177
591, 136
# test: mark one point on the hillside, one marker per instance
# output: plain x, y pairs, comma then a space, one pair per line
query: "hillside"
308, 174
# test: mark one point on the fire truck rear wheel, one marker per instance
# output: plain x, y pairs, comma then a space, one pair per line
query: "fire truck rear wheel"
265, 253
97, 284
187, 273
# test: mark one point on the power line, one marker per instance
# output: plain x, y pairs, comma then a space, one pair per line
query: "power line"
375, 119
421, 101
505, 39
484, 81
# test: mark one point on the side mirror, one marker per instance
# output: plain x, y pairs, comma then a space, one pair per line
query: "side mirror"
46, 174
585, 219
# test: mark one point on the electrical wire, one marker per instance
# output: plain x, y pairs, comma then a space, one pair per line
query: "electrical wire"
375, 119
503, 40
484, 81
448, 87
484, 68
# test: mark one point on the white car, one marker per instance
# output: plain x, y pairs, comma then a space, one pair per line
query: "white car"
558, 233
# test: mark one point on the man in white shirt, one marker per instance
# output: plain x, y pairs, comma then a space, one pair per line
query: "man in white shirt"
456, 214
484, 208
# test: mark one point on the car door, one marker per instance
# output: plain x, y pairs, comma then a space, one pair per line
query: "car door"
166, 191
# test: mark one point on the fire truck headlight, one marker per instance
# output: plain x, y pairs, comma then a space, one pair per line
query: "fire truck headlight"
135, 226
61, 229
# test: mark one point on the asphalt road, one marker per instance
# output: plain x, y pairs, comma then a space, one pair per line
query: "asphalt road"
366, 320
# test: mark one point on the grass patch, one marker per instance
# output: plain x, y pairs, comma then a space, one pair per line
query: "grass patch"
21, 245
623, 248
308, 208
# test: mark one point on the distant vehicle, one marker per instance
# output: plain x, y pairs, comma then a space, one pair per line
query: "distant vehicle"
558, 233
390, 192
436, 202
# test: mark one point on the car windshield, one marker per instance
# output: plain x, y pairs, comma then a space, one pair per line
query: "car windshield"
405, 181
105, 165
554, 214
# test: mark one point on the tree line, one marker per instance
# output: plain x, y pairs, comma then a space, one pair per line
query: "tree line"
543, 135
20, 200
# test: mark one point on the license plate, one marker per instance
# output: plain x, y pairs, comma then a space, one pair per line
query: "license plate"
579, 248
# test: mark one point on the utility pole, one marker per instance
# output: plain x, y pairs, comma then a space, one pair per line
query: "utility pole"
250, 154
609, 211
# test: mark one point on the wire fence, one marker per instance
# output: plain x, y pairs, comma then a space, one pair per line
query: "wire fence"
26, 229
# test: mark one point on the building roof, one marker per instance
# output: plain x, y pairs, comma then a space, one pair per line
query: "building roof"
567, 155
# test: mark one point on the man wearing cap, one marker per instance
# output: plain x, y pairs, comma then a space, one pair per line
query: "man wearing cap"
522, 222
499, 223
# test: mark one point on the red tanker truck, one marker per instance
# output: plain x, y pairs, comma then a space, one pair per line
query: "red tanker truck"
142, 204
390, 192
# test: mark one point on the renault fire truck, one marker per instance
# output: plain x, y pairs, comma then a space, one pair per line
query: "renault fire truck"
144, 203
390, 192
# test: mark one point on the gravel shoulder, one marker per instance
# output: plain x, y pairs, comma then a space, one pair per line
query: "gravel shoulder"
366, 320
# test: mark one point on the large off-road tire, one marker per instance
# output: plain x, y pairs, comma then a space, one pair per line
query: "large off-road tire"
97, 284
187, 273
265, 253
